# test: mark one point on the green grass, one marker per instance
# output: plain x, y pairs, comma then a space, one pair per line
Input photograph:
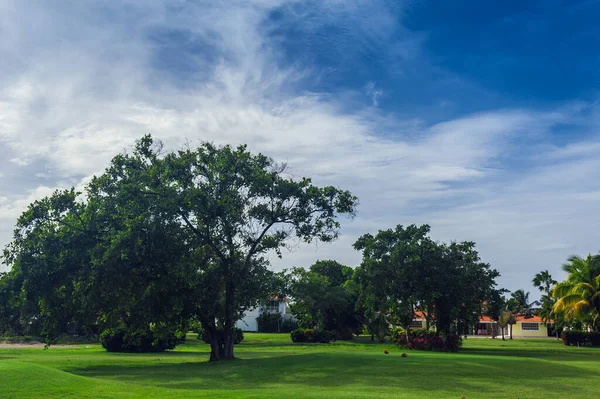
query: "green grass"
270, 366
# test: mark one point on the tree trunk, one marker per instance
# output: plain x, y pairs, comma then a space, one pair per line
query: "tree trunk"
502, 333
216, 349
221, 344
511, 331
222, 341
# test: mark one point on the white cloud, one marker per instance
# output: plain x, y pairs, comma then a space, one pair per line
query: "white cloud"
20, 161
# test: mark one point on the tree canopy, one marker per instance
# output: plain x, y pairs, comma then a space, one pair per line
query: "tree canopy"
162, 237
324, 298
578, 297
404, 270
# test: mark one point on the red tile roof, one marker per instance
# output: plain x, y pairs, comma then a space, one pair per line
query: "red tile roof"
534, 319
486, 319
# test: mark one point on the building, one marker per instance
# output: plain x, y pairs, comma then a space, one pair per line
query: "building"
275, 305
532, 327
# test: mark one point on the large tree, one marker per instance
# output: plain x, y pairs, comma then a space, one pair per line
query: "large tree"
404, 270
102, 261
160, 237
236, 207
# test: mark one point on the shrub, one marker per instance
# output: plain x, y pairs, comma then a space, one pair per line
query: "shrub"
113, 339
324, 337
298, 335
269, 322
195, 326
429, 340
309, 335
580, 338
453, 343
398, 333
288, 325
151, 339
239, 336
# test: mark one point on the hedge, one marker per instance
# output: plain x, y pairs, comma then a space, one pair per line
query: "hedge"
309, 335
428, 340
580, 338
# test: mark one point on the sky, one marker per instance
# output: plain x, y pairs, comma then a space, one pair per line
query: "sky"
478, 118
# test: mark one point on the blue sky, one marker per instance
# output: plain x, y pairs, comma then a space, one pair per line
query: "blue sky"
478, 118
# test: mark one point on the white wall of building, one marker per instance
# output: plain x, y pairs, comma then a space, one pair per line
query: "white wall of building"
248, 322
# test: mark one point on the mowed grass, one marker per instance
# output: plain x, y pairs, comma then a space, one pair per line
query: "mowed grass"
271, 366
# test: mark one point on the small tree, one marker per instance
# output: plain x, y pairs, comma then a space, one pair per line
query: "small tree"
503, 321
325, 298
494, 305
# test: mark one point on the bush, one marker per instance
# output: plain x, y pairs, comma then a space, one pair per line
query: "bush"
298, 335
288, 325
453, 343
195, 326
309, 335
429, 340
269, 322
324, 337
580, 338
239, 336
398, 333
151, 339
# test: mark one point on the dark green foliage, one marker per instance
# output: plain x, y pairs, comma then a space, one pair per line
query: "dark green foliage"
309, 335
578, 338
195, 326
495, 303
288, 325
298, 335
269, 322
147, 340
274, 323
158, 239
238, 336
403, 270
325, 298
430, 341
453, 342
398, 333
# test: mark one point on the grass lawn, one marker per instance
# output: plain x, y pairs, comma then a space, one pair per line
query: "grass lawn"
271, 366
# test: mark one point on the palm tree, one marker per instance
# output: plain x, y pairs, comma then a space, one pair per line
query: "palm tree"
544, 282
578, 297
504, 320
519, 304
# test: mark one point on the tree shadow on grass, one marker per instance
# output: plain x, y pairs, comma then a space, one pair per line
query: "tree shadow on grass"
571, 354
331, 370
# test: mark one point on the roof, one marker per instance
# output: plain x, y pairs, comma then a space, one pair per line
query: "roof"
534, 319
419, 316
